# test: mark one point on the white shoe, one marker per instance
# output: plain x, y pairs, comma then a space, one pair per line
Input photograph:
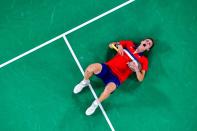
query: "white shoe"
78, 88
92, 108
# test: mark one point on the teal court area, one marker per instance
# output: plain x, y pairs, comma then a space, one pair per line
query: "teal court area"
36, 90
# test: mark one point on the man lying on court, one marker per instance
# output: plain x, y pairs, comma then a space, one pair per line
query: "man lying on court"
129, 59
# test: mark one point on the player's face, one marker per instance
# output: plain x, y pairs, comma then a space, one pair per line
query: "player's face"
145, 45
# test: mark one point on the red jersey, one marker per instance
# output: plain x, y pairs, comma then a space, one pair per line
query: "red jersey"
118, 64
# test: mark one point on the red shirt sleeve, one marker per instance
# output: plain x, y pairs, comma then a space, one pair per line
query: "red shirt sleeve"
144, 62
127, 43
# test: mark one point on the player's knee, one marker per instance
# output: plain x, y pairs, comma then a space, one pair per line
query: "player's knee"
89, 71
95, 68
109, 89
90, 68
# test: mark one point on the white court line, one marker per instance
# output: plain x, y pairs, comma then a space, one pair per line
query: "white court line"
66, 33
90, 86
98, 17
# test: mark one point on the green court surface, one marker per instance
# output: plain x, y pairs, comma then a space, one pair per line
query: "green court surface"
36, 90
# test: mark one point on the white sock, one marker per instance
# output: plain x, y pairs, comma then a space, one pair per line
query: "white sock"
96, 103
85, 81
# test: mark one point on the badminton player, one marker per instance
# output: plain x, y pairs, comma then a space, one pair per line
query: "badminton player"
129, 59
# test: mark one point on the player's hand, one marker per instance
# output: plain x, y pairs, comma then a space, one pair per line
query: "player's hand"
133, 66
120, 50
110, 45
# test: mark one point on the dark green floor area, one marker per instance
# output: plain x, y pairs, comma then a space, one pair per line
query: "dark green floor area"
36, 91
36, 94
26, 24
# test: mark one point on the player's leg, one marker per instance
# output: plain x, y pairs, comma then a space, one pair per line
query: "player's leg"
108, 90
90, 70
110, 87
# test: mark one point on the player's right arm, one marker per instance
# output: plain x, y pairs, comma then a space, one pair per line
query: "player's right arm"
127, 44
118, 47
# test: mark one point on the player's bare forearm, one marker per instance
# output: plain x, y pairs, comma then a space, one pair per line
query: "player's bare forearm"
140, 75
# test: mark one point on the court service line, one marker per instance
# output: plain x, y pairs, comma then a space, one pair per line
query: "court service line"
66, 33
90, 86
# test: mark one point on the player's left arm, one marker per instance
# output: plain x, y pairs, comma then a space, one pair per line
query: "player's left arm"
140, 72
140, 75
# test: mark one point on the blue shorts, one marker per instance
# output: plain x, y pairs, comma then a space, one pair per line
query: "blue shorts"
107, 76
